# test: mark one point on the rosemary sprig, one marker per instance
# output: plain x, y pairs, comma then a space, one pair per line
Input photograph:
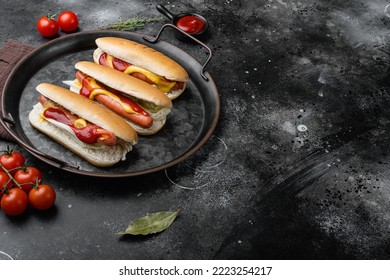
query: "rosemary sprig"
130, 24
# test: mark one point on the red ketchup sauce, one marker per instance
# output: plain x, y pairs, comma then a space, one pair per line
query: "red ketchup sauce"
117, 63
120, 64
190, 24
103, 59
87, 134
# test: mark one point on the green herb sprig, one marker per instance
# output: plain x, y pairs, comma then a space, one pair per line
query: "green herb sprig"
130, 24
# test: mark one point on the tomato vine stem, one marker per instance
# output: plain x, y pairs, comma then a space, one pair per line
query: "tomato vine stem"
10, 176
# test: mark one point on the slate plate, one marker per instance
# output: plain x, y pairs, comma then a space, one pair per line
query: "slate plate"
189, 125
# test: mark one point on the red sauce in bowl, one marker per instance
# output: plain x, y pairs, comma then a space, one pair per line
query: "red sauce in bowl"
191, 24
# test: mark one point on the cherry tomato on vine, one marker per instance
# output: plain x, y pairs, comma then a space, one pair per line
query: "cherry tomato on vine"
11, 160
14, 202
42, 197
68, 21
2, 189
27, 177
5, 181
47, 26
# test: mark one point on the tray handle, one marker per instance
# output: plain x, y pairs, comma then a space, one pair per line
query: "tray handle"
154, 40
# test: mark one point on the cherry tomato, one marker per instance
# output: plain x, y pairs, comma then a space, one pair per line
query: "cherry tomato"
5, 181
27, 177
42, 197
68, 21
14, 202
11, 160
47, 26
2, 191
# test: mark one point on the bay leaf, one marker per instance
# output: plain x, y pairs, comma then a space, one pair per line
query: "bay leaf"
152, 223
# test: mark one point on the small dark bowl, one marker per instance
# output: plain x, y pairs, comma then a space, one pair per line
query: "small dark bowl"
175, 18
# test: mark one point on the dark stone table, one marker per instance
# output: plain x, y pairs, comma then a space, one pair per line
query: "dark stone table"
297, 168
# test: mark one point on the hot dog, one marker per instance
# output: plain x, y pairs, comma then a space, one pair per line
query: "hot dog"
143, 106
89, 85
143, 63
87, 129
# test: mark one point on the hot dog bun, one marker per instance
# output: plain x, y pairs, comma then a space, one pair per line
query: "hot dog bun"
143, 57
133, 87
98, 155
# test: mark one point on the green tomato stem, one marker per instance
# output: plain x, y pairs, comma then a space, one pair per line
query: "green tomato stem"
10, 176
